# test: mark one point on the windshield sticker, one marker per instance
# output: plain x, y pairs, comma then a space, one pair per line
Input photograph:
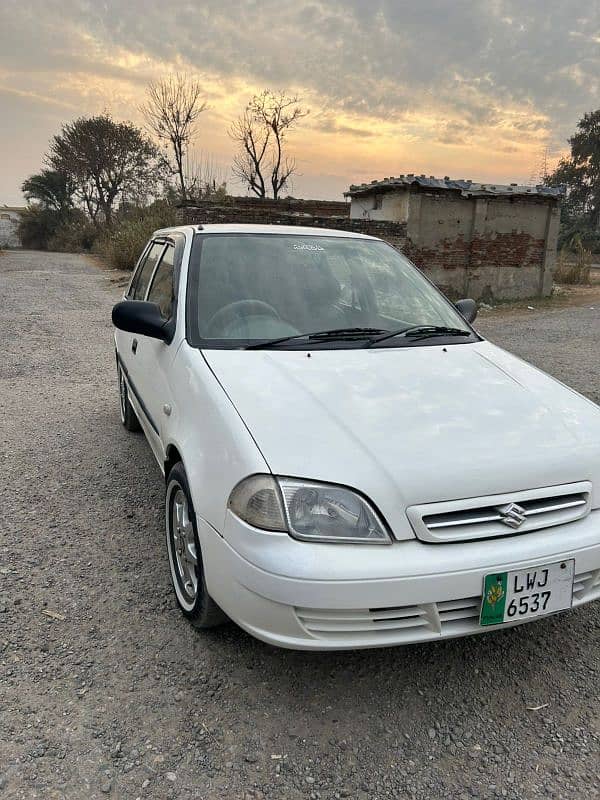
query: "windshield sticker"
303, 246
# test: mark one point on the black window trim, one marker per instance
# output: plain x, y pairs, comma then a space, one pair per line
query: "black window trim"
176, 240
174, 286
165, 245
133, 286
137, 268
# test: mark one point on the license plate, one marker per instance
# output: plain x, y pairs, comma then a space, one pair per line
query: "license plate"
527, 593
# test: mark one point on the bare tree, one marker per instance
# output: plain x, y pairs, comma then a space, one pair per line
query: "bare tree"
171, 112
261, 133
279, 114
253, 140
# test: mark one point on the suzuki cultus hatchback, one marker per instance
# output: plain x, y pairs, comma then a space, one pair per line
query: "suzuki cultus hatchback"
348, 463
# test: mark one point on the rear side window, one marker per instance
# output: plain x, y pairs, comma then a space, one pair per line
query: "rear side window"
161, 291
140, 284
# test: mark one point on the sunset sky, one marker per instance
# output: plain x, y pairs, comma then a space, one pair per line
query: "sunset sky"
470, 89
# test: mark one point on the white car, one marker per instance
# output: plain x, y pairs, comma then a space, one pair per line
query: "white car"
348, 463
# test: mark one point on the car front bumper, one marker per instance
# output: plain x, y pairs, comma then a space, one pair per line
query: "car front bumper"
309, 596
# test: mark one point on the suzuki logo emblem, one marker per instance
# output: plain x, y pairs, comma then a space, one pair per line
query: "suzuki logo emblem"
512, 515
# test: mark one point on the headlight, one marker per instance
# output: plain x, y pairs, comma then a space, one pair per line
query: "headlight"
310, 511
326, 513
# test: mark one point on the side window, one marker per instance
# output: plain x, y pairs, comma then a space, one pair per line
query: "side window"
161, 291
137, 269
138, 290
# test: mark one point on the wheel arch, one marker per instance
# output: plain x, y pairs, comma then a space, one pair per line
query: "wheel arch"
172, 456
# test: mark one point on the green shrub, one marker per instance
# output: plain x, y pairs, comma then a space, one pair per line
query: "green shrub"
36, 227
67, 230
577, 229
74, 234
122, 244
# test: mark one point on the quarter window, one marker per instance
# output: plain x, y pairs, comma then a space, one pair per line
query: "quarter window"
138, 290
161, 291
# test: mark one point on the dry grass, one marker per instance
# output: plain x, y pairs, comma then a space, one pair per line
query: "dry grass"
573, 267
121, 245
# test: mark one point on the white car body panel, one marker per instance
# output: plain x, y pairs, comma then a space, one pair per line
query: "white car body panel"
405, 427
216, 447
412, 425
271, 581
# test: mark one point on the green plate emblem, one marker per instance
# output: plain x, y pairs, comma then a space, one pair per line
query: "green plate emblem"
494, 599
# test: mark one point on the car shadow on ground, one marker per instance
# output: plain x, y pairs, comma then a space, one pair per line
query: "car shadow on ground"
487, 666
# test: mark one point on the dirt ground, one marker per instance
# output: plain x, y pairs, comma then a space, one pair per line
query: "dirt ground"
106, 691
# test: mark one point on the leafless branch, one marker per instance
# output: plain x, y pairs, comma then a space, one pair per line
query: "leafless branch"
261, 134
171, 112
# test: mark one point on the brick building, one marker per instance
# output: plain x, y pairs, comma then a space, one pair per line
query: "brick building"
485, 241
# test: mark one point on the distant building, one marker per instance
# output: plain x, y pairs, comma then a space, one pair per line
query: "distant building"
9, 220
479, 240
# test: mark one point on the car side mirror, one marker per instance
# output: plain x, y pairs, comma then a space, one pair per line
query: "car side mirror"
468, 309
136, 316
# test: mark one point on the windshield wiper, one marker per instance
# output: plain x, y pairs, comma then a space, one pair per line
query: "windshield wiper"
339, 334
417, 332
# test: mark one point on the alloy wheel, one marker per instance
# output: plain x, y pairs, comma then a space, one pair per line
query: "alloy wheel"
183, 546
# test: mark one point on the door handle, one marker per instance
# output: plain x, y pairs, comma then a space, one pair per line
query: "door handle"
134, 345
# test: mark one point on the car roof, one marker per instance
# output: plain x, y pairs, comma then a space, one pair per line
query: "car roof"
293, 230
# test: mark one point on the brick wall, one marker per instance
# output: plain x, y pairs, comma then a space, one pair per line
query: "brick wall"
446, 263
511, 263
275, 214
318, 208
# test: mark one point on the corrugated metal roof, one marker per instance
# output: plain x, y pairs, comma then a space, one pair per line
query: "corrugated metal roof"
465, 187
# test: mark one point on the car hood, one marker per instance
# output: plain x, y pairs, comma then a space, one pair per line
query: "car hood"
412, 425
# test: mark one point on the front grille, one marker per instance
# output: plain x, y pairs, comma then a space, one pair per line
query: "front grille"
405, 623
500, 515
331, 623
417, 622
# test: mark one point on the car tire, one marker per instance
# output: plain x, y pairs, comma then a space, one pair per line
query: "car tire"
185, 554
128, 415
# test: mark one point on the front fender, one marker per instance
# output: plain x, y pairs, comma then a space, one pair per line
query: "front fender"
215, 445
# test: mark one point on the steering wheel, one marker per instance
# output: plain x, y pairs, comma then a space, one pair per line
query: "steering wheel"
240, 308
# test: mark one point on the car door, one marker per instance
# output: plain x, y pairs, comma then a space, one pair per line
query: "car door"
128, 343
153, 357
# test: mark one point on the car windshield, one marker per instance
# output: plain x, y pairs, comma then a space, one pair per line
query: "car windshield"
252, 288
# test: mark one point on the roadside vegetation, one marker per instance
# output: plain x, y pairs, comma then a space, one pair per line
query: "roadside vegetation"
105, 185
579, 173
574, 263
122, 243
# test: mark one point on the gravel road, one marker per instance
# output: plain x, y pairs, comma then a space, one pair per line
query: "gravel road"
105, 690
